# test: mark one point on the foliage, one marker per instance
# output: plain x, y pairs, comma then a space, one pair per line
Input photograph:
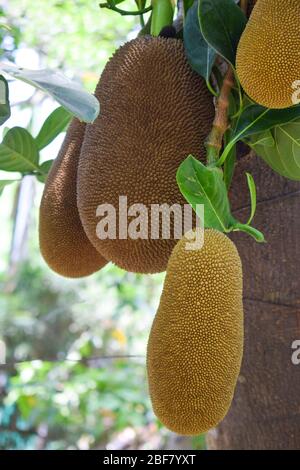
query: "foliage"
205, 185
10, 36
20, 151
222, 23
273, 145
68, 93
88, 396
213, 29
200, 54
73, 35
255, 119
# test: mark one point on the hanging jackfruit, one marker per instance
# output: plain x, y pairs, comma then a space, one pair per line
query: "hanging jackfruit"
63, 242
268, 64
196, 341
155, 111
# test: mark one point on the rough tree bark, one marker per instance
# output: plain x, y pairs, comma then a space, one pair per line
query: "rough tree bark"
265, 413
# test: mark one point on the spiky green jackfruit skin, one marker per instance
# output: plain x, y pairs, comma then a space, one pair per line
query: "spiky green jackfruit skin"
63, 242
196, 341
155, 111
268, 61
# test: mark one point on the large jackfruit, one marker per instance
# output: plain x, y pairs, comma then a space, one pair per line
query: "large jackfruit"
63, 242
268, 61
154, 112
196, 341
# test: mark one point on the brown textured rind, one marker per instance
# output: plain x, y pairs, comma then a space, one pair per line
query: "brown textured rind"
63, 242
155, 111
268, 53
196, 341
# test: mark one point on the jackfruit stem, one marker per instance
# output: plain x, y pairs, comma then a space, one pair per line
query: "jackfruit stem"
146, 28
162, 15
244, 6
220, 125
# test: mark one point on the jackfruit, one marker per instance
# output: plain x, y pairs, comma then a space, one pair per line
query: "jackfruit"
63, 243
155, 111
268, 64
196, 341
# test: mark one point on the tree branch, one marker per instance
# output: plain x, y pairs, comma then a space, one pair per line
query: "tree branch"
124, 12
86, 361
220, 125
244, 6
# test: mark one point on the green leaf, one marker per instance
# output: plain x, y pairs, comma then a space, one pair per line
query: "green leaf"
187, 4
5, 131
55, 123
255, 119
229, 167
18, 151
199, 54
284, 155
253, 232
4, 100
287, 141
44, 170
252, 189
222, 23
204, 185
4, 183
68, 93
264, 138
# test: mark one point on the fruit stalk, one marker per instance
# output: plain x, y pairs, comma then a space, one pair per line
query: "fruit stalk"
162, 15
220, 125
244, 6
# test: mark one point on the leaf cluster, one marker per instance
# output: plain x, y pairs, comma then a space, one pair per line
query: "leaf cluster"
212, 31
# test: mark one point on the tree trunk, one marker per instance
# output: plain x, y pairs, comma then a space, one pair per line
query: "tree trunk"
265, 413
